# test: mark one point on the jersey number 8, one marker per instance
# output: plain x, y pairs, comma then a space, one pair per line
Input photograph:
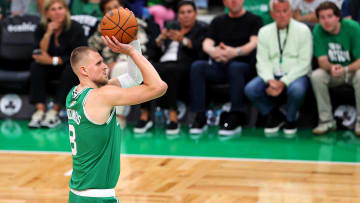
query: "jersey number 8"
72, 139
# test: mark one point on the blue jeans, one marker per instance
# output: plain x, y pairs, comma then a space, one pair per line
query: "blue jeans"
255, 90
233, 72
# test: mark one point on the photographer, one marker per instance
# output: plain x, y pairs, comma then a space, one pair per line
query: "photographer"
180, 43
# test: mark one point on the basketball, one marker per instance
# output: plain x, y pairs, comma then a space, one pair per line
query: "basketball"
120, 23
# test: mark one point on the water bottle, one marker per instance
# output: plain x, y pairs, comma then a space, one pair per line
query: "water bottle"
159, 117
210, 117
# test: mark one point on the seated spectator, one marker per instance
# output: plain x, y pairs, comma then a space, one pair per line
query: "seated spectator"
162, 12
230, 43
351, 9
337, 48
118, 63
56, 37
180, 43
21, 7
86, 7
284, 53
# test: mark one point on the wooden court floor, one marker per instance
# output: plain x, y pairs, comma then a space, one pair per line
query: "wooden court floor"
33, 178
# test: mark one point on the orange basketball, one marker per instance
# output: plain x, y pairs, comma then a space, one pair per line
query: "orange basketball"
120, 23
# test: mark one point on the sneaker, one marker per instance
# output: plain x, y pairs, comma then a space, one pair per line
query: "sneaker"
199, 125
143, 126
36, 119
274, 121
51, 119
172, 128
290, 127
357, 128
324, 127
231, 124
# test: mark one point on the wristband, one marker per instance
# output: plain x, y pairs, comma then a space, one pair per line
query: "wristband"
55, 61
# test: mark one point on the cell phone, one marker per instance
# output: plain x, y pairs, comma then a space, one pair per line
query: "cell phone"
173, 25
36, 52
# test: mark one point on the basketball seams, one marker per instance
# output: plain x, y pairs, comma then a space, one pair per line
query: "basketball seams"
123, 26
130, 34
117, 25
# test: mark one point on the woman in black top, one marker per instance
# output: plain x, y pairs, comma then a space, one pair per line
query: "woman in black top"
181, 44
55, 38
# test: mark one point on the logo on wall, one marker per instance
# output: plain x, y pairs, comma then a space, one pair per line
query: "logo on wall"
10, 104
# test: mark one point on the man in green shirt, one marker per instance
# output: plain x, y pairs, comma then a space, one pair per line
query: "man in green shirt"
93, 130
283, 56
337, 48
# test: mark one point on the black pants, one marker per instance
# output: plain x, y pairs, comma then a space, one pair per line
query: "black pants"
41, 75
176, 75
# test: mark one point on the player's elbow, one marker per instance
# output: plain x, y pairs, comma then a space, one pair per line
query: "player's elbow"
163, 88
160, 89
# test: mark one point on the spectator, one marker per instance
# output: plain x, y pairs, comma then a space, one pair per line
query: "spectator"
56, 37
181, 45
351, 9
21, 7
86, 7
230, 43
337, 48
118, 63
284, 55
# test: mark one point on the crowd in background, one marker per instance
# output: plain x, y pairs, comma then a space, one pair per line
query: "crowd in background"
269, 64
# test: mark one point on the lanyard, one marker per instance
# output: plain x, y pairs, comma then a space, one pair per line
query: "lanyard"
279, 41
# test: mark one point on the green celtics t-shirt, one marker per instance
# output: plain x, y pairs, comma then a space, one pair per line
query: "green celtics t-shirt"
343, 48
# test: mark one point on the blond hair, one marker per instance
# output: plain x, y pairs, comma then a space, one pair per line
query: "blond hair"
46, 7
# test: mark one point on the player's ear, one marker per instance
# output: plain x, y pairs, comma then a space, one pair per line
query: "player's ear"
83, 70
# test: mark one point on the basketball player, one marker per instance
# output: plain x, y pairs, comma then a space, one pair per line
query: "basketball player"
94, 133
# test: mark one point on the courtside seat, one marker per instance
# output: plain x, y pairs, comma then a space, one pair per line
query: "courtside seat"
16, 46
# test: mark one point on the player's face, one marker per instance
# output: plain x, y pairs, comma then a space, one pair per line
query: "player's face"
98, 71
328, 20
235, 6
281, 13
186, 15
56, 12
111, 5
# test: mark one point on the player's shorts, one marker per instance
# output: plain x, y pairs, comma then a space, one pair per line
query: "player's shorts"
74, 198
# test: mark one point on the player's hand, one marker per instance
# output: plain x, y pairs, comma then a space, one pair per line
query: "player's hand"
116, 46
43, 58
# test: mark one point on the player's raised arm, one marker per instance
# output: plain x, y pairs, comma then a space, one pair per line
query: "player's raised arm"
152, 87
